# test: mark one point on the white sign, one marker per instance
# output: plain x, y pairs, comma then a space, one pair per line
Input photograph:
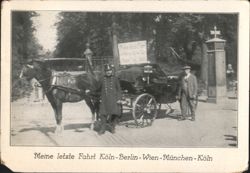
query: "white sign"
133, 52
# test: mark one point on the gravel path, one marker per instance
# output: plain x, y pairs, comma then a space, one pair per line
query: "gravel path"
33, 124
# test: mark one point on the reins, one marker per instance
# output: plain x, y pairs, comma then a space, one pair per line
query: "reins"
42, 80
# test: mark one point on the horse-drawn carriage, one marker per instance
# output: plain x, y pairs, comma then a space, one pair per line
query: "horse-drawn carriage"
145, 86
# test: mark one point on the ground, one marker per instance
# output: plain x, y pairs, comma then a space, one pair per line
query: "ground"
33, 124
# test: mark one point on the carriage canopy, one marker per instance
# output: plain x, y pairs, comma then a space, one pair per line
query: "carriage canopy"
66, 64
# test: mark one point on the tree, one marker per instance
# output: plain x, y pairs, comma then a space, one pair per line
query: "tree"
185, 32
76, 29
24, 48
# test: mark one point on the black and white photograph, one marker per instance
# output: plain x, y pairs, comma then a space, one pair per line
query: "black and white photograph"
124, 79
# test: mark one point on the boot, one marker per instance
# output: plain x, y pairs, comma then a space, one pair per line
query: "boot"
112, 130
193, 118
103, 125
181, 118
113, 123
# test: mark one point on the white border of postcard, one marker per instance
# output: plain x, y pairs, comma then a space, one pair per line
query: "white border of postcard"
21, 159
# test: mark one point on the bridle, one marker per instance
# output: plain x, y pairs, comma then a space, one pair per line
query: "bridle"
50, 86
39, 81
42, 80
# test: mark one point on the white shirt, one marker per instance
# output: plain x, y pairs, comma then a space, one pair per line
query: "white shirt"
187, 76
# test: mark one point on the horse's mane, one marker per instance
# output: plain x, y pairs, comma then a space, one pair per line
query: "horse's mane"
90, 80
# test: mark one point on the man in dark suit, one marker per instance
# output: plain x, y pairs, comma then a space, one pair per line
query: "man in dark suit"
187, 94
110, 106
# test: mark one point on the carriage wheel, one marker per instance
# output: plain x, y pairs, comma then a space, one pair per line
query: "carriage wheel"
144, 110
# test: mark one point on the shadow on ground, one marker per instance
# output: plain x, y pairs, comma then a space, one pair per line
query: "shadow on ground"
43, 130
128, 120
48, 130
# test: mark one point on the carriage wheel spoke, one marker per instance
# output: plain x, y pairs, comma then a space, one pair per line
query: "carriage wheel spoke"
144, 101
150, 101
141, 118
147, 100
137, 105
144, 110
139, 110
140, 114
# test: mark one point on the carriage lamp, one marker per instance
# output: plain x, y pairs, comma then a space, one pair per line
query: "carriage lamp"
148, 69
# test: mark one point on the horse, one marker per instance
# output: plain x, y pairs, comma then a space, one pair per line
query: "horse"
56, 96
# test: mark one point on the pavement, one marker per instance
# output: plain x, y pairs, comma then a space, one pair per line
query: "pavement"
33, 124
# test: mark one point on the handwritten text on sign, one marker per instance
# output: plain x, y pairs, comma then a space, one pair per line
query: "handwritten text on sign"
133, 52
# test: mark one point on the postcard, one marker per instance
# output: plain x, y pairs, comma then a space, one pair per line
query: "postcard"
125, 86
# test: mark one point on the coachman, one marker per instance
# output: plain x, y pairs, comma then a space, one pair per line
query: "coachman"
110, 106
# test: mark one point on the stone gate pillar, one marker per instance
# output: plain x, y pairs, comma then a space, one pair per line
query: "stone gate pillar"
217, 91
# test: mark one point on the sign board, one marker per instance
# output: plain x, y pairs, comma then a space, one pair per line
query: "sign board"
133, 52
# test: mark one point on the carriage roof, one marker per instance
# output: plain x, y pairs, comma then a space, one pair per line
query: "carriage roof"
134, 80
65, 64
58, 59
62, 61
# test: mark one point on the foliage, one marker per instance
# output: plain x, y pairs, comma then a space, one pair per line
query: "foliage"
185, 32
24, 48
76, 29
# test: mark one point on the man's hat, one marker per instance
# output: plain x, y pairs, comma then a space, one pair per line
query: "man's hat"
108, 67
186, 67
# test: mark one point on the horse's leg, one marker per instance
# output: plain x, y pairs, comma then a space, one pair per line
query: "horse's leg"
57, 106
58, 114
92, 108
96, 105
97, 111
52, 101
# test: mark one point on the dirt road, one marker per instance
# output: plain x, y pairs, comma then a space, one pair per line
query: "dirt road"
33, 124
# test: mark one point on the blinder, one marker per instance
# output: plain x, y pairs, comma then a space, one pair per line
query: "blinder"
25, 71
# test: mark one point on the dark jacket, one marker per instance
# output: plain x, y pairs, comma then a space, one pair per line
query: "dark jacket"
110, 94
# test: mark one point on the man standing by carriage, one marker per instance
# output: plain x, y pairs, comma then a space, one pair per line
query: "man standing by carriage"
110, 108
187, 94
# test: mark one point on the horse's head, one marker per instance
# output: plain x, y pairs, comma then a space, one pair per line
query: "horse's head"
28, 72
32, 70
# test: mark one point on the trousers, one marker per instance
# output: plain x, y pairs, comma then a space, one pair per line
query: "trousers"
188, 105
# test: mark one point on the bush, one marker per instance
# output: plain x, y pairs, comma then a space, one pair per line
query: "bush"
20, 89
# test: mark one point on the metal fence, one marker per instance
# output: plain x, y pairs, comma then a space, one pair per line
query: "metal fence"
99, 62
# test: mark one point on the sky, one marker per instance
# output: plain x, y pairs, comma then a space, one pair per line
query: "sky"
45, 29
